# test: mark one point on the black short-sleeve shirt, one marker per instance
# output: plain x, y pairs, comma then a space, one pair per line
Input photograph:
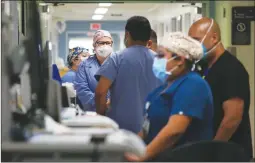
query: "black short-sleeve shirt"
228, 79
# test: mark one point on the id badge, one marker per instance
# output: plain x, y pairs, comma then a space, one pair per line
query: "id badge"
146, 126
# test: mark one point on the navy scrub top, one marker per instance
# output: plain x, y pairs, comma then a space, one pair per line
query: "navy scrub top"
189, 95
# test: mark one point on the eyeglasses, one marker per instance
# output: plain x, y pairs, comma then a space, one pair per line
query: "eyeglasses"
100, 43
174, 55
162, 55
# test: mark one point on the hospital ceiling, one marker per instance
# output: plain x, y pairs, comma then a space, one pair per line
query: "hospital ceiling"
117, 11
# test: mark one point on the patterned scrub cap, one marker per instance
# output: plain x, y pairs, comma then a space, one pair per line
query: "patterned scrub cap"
73, 53
183, 45
100, 34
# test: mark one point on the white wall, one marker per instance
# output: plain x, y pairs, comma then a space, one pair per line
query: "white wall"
161, 17
82, 42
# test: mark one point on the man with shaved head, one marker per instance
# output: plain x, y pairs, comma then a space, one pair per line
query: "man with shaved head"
229, 82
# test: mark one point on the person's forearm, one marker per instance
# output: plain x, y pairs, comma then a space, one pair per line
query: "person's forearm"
227, 128
101, 104
161, 142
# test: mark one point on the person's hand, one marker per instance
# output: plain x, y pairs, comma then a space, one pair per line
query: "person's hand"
108, 103
133, 158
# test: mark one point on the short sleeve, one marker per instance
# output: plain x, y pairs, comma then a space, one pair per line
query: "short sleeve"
108, 69
235, 83
191, 98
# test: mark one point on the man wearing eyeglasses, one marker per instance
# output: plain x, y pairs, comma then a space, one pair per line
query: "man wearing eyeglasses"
85, 82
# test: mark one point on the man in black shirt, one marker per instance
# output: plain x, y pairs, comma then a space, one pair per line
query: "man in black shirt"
229, 82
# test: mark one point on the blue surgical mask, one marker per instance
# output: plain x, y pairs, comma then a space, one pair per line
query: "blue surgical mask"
205, 51
159, 68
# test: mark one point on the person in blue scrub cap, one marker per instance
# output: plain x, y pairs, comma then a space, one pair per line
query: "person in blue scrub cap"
181, 110
85, 82
73, 60
129, 77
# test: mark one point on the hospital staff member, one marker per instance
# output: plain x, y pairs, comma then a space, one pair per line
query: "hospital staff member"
85, 82
129, 77
229, 81
181, 110
153, 43
73, 59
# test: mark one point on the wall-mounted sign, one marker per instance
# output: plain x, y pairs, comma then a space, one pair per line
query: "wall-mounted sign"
246, 13
241, 33
241, 27
95, 26
241, 24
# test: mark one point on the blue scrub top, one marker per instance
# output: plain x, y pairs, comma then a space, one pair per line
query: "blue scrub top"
132, 79
69, 77
189, 95
85, 83
55, 74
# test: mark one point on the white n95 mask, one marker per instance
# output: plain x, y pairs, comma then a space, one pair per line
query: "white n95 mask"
104, 51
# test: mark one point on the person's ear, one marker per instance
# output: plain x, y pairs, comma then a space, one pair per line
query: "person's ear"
126, 34
149, 44
215, 38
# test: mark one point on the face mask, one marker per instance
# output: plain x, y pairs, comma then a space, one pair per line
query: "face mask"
159, 68
104, 51
205, 52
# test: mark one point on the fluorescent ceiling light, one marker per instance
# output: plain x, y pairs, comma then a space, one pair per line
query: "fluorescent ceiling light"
105, 4
97, 17
101, 10
42, 4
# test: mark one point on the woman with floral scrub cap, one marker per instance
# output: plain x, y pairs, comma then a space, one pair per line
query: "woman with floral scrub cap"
181, 110
85, 82
73, 59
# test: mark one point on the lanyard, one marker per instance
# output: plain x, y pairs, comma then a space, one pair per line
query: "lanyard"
147, 107
205, 73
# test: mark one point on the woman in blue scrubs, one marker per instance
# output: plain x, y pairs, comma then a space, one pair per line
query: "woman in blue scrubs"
85, 82
75, 57
181, 110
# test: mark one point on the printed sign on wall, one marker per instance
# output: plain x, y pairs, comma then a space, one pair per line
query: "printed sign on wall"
95, 26
241, 24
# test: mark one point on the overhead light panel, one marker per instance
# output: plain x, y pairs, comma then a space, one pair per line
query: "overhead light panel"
101, 10
97, 17
42, 4
105, 4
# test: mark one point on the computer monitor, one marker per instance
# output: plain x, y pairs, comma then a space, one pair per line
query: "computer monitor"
66, 101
